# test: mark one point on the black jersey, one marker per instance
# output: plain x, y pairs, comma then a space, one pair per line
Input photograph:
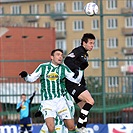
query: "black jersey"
77, 59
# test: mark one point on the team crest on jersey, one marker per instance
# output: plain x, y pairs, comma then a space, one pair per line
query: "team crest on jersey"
85, 57
52, 76
23, 107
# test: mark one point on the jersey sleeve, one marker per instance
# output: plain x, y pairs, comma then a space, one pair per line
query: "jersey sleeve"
35, 75
18, 107
32, 96
70, 59
69, 75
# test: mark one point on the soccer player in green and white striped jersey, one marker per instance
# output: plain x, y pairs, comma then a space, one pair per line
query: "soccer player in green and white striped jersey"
52, 75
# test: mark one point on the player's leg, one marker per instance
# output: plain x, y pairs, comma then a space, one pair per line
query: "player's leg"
50, 124
70, 104
65, 114
29, 126
69, 101
22, 126
44, 129
86, 97
83, 98
59, 124
49, 113
70, 125
58, 128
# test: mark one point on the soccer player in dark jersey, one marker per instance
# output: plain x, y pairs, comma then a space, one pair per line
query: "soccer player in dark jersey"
24, 108
77, 60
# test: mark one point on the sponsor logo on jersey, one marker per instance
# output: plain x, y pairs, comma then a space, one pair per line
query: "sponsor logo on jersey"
23, 107
57, 128
52, 76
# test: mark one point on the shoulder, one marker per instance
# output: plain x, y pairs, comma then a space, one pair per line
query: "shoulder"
44, 64
28, 101
18, 103
77, 49
63, 66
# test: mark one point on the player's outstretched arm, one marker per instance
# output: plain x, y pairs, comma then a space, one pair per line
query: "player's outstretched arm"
31, 77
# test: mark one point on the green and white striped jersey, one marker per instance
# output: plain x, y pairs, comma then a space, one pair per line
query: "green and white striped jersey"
52, 79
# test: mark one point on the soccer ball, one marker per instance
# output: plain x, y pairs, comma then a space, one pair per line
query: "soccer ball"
91, 9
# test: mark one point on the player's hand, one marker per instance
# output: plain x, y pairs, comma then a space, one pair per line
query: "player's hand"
37, 88
22, 103
23, 74
84, 65
76, 73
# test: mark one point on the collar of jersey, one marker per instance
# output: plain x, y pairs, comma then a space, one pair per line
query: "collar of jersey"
53, 65
84, 49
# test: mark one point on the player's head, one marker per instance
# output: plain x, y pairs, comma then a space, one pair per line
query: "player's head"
57, 56
23, 97
87, 41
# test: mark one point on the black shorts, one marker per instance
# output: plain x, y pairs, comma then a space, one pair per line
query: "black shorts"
75, 90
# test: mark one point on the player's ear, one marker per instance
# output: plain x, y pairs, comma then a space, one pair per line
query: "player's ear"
84, 42
51, 57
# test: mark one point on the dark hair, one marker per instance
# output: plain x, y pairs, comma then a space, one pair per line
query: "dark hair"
87, 36
53, 51
23, 94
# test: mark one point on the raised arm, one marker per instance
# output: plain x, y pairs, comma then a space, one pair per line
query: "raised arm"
32, 96
31, 77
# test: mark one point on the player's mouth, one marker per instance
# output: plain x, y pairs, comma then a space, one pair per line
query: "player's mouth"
60, 60
90, 49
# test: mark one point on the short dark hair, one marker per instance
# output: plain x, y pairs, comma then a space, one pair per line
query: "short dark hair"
87, 36
53, 51
23, 94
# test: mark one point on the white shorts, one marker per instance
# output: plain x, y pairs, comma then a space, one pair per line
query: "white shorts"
58, 128
71, 107
54, 107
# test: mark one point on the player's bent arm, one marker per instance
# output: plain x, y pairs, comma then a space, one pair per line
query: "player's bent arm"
70, 59
69, 75
33, 77
18, 108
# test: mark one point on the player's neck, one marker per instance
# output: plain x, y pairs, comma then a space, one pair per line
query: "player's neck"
54, 65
